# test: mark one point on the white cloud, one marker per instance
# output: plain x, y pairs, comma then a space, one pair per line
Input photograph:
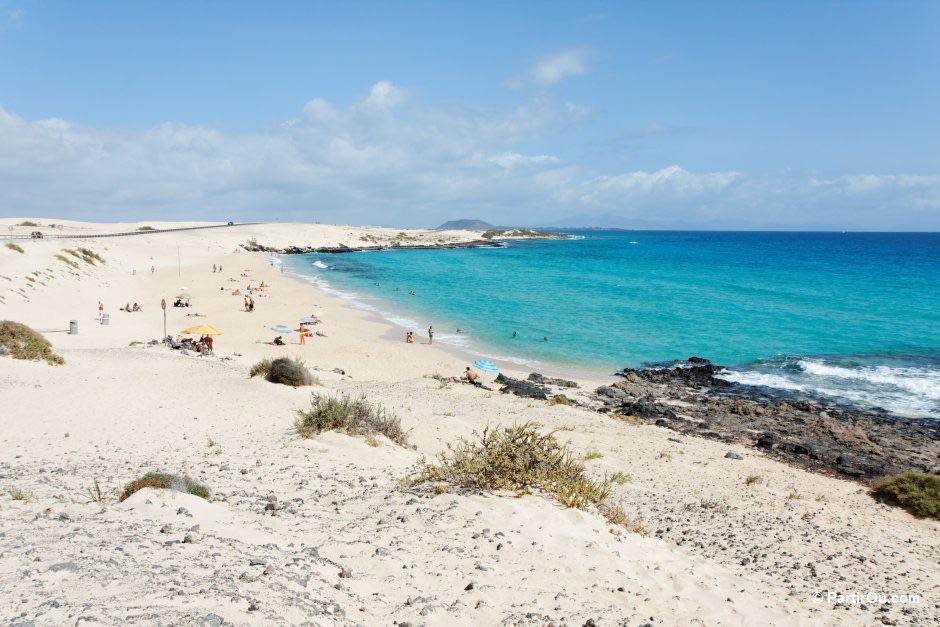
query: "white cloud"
384, 95
558, 66
412, 165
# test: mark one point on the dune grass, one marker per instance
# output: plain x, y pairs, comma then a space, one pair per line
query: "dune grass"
146, 228
286, 371
27, 223
24, 343
180, 483
66, 260
15, 247
917, 492
355, 416
260, 368
518, 458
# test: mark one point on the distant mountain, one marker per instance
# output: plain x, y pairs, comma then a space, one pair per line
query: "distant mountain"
466, 225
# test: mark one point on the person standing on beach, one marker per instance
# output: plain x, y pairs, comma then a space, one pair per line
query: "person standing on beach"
430, 334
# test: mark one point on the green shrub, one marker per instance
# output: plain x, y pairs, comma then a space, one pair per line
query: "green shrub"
354, 416
146, 228
559, 399
24, 343
287, 371
261, 368
518, 458
90, 256
917, 492
27, 223
66, 260
180, 483
592, 455
15, 247
619, 478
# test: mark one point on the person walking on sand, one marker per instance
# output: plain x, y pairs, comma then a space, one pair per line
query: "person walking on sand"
213, 268
303, 334
430, 334
100, 309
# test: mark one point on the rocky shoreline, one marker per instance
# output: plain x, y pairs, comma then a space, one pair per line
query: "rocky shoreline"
688, 398
342, 248
824, 437
490, 239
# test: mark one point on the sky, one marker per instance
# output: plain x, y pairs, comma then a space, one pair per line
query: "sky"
680, 115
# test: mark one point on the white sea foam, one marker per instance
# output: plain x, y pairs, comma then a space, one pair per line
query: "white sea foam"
904, 391
760, 379
918, 381
320, 264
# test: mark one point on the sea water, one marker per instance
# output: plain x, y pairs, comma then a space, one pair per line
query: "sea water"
854, 317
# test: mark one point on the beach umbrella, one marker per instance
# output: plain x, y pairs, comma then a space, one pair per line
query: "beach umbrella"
186, 296
281, 328
201, 329
485, 365
309, 320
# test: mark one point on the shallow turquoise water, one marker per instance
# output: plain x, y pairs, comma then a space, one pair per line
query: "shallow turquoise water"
852, 315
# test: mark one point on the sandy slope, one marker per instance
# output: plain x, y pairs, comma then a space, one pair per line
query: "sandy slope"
288, 515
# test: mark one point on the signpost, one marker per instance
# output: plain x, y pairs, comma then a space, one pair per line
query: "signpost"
163, 307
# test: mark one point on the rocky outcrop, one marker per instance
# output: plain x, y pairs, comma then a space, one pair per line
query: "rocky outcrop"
342, 248
687, 397
535, 377
526, 389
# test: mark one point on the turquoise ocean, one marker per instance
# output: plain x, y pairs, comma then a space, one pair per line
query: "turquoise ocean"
853, 318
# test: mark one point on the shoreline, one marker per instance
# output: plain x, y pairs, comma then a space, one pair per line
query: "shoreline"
286, 514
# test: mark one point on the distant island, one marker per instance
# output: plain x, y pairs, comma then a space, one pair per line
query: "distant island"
467, 225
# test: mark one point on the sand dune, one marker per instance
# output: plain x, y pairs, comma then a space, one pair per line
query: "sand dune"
322, 530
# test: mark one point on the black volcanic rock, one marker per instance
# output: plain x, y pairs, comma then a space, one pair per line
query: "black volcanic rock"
535, 377
526, 389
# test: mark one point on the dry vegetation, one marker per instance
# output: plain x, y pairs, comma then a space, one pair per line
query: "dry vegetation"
180, 483
355, 416
15, 247
519, 458
284, 370
24, 343
917, 492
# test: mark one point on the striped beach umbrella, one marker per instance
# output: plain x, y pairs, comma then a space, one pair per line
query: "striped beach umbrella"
485, 365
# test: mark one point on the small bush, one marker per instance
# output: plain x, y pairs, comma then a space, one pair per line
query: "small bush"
518, 458
165, 481
287, 371
619, 478
261, 368
592, 455
559, 399
354, 416
90, 256
24, 343
16, 494
146, 228
917, 492
66, 260
27, 223
15, 247
751, 480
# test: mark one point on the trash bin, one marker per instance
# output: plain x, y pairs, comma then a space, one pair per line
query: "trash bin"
73, 327
105, 319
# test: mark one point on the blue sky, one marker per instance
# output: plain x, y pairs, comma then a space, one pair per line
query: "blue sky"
654, 115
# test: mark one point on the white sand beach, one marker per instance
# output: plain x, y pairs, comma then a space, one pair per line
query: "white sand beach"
323, 531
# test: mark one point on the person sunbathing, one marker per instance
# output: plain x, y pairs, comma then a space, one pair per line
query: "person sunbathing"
137, 307
471, 376
278, 341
